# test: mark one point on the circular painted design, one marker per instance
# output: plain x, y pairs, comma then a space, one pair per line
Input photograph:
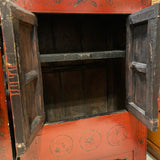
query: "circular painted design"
90, 140
117, 135
61, 145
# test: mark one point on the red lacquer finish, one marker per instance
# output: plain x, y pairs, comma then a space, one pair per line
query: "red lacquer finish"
5, 143
84, 6
116, 136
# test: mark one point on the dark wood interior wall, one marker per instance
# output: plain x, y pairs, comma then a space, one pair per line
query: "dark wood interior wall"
62, 33
82, 88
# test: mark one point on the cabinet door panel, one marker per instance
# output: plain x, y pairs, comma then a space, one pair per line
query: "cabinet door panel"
143, 65
23, 72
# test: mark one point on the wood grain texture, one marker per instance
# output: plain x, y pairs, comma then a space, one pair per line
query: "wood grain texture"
142, 47
81, 56
79, 33
79, 80
82, 90
21, 54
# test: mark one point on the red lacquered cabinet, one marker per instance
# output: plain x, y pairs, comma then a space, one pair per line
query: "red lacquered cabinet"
79, 79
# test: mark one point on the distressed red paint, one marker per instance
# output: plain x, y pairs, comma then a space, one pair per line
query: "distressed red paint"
84, 6
87, 139
5, 143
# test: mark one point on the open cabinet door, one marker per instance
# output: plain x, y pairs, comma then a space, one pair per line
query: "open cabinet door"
143, 65
23, 72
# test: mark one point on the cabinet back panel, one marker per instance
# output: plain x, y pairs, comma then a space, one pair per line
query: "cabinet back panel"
69, 33
83, 90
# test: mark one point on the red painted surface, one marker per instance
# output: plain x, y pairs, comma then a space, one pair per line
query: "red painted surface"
116, 136
84, 6
5, 143
99, 138
12, 73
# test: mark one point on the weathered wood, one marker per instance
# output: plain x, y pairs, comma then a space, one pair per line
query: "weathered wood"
21, 54
30, 76
20, 14
83, 90
143, 57
144, 15
82, 60
81, 56
140, 67
73, 93
95, 90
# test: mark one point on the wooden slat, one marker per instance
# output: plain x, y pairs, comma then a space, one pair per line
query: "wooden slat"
20, 14
82, 56
144, 15
30, 76
140, 67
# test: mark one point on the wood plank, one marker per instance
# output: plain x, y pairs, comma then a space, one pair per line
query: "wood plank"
144, 15
53, 96
63, 33
140, 67
30, 76
81, 56
95, 86
82, 90
19, 13
115, 71
73, 94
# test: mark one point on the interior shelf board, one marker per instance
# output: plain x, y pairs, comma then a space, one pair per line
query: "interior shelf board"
57, 57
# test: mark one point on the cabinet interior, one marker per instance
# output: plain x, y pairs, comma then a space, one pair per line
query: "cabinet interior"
82, 87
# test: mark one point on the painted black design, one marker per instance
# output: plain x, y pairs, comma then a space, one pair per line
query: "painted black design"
93, 3
61, 145
90, 140
110, 2
117, 135
77, 2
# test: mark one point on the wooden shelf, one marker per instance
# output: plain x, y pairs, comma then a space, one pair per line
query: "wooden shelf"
57, 57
